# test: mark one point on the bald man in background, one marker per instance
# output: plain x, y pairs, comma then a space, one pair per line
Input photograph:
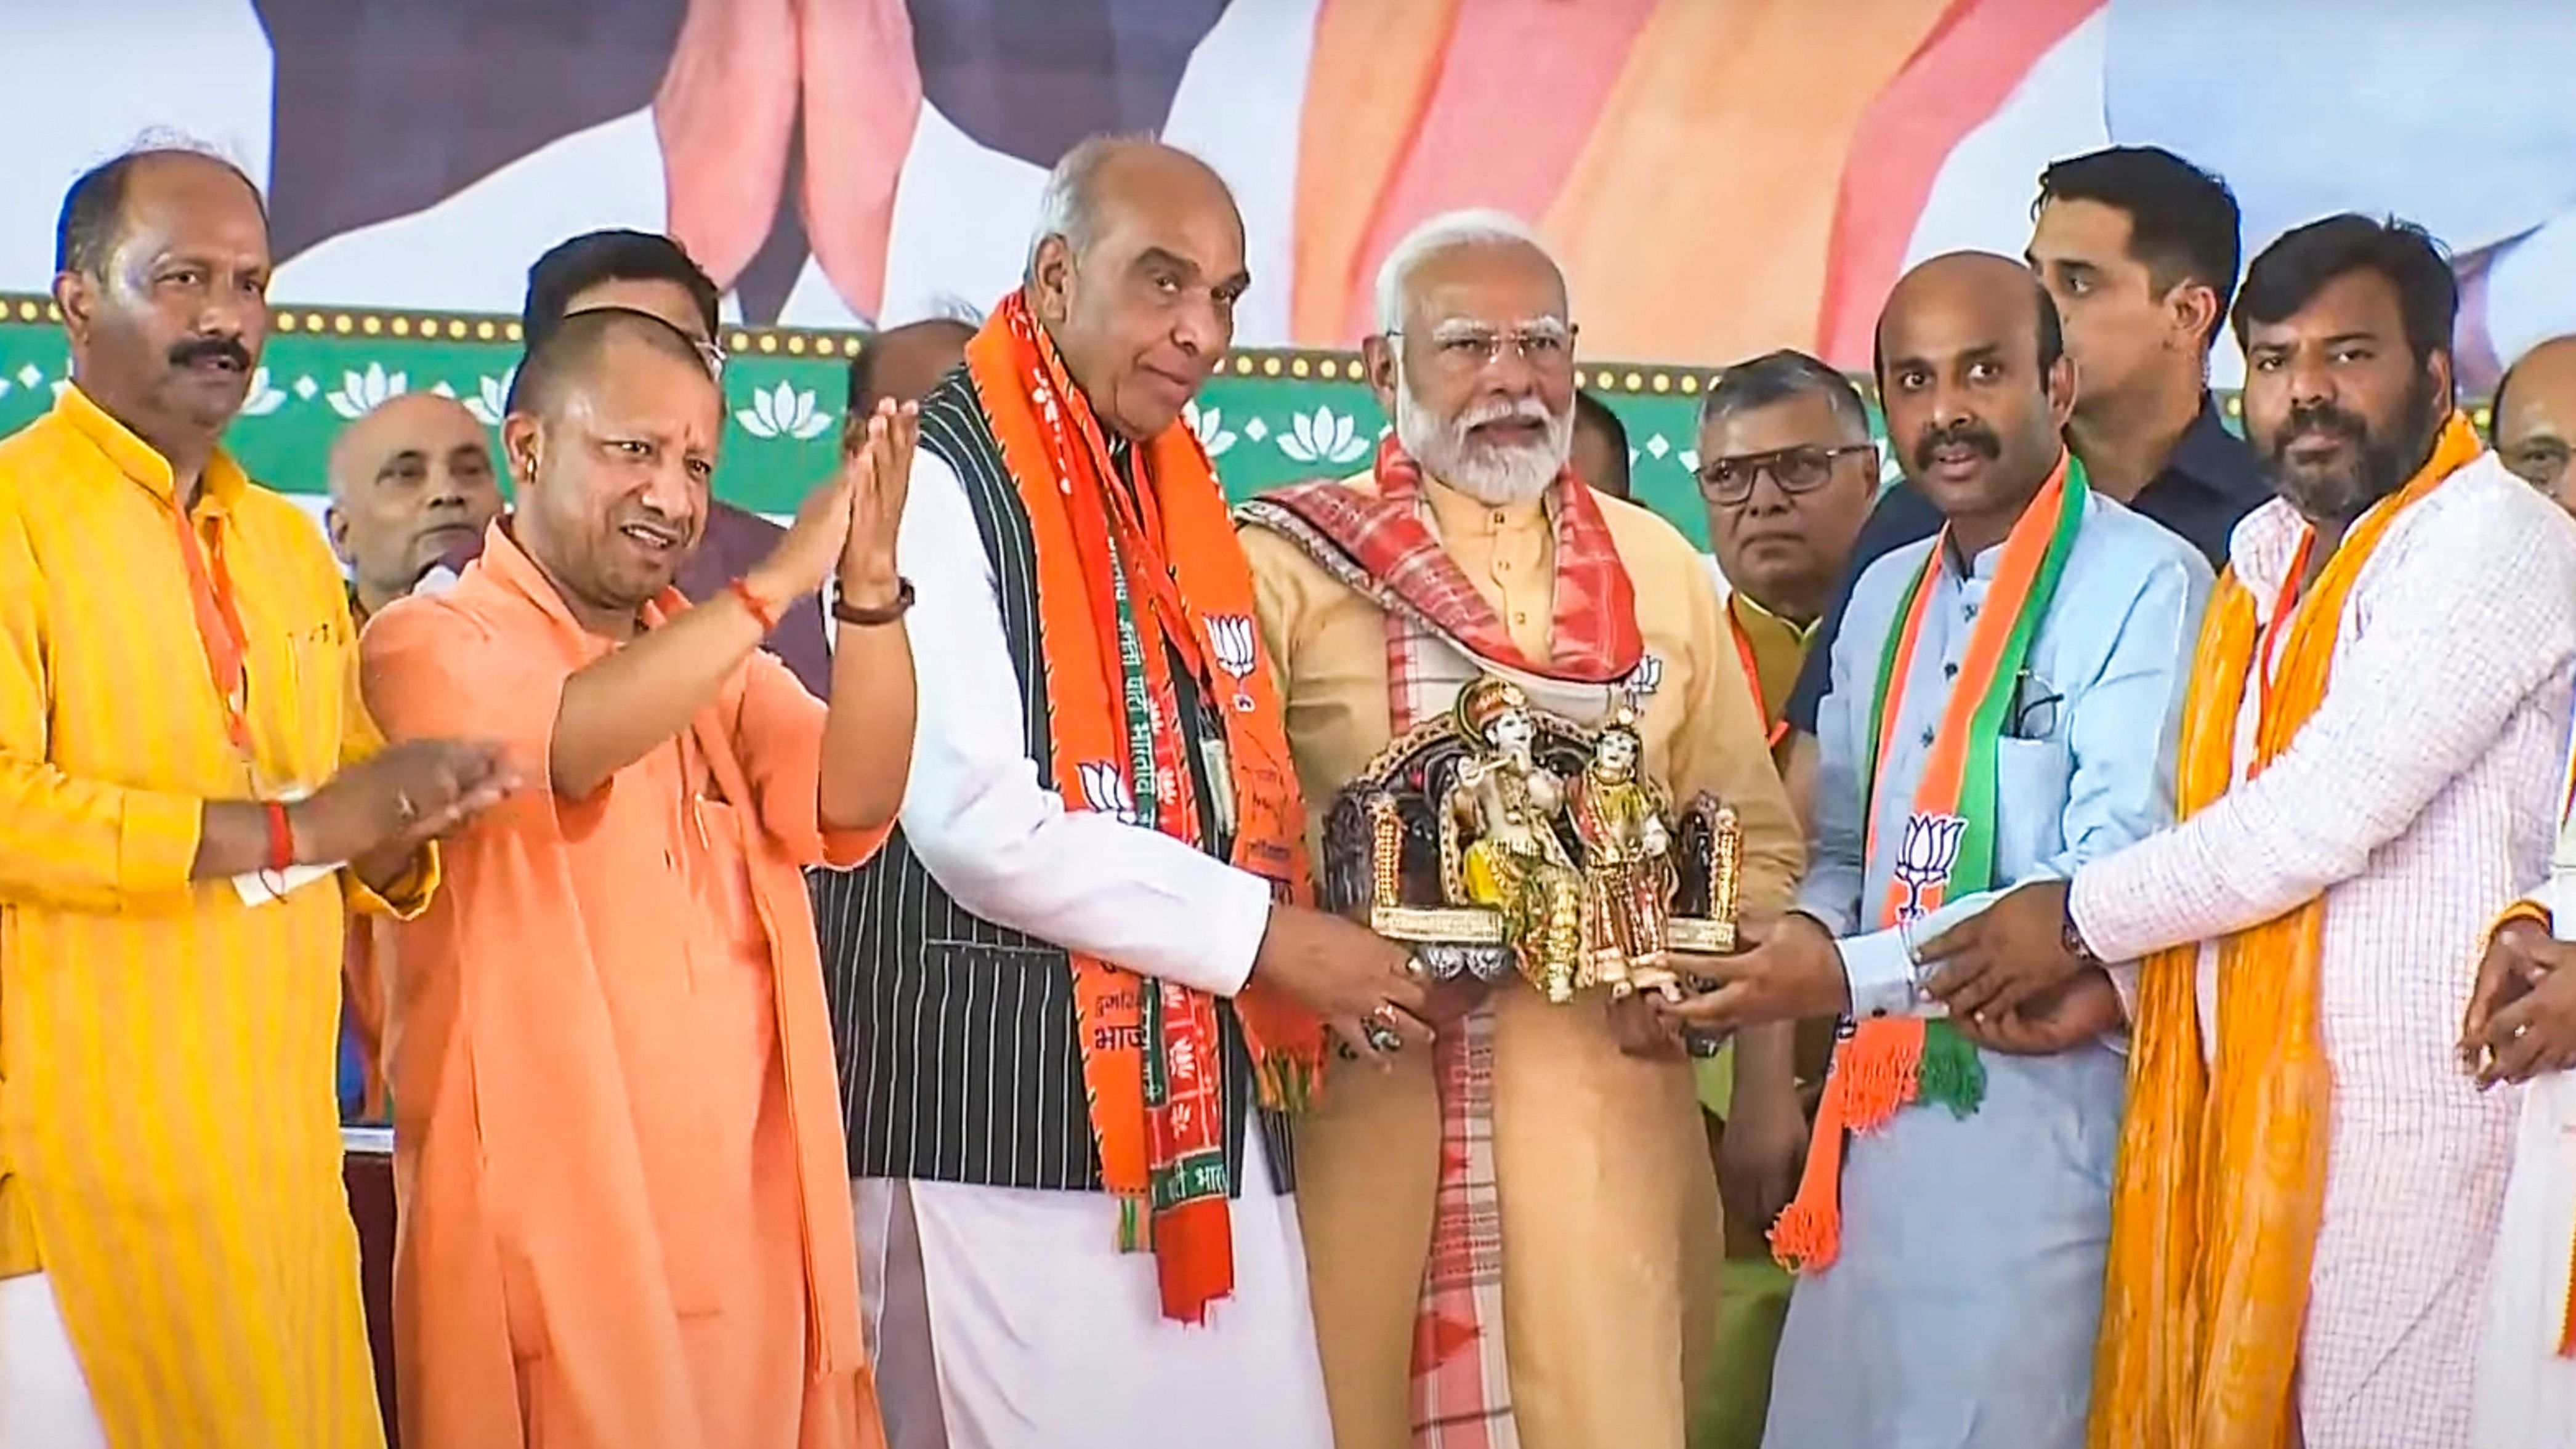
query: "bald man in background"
2534, 425
411, 482
904, 363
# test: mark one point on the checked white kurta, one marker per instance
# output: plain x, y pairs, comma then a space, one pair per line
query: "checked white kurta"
2418, 799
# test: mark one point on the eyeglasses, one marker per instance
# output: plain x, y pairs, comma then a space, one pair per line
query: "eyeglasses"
1729, 481
714, 355
1548, 346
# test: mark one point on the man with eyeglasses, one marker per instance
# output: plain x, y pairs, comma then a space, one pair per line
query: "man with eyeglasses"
2003, 708
1787, 470
2534, 424
1471, 550
650, 273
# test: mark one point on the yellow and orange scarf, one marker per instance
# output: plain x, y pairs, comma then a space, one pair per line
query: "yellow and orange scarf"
1125, 583
2221, 1182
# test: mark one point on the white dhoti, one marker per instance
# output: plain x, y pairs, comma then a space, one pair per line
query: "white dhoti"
2526, 1393
44, 1398
1000, 1318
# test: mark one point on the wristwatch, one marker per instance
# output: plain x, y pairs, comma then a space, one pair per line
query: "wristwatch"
849, 613
2072, 940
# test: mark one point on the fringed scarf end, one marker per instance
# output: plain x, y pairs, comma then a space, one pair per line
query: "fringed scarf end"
1880, 1071
1808, 1237
1950, 1073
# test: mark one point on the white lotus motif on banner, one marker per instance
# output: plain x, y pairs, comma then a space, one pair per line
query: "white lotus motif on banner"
1209, 424
1322, 436
361, 393
784, 410
491, 400
262, 399
1929, 852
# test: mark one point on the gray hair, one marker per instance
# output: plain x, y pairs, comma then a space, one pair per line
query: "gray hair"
1447, 232
1068, 205
1777, 377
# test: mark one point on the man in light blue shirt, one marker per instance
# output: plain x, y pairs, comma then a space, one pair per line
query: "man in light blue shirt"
1954, 1272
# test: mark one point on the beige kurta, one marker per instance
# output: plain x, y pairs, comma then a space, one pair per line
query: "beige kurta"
1610, 1217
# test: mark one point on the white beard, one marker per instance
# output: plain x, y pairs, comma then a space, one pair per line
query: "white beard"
1495, 477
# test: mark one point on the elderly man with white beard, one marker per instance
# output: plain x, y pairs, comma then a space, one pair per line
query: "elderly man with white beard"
1512, 1237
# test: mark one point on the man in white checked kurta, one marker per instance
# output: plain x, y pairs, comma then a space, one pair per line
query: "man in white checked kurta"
2416, 798
2413, 795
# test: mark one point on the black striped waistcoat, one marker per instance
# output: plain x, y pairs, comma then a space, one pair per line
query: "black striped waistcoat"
958, 1048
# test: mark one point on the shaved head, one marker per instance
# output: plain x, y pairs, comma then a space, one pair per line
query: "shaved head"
411, 482
904, 363
399, 421
611, 439
578, 346
1973, 376
1134, 272
2535, 419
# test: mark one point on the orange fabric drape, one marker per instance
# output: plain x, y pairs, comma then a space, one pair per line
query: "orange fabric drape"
1367, 86
1965, 70
744, 76
2222, 1175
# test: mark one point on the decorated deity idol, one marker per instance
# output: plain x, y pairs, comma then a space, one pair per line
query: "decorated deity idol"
1505, 803
1628, 874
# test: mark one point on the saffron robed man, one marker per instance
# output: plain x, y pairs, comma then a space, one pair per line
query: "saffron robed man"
2003, 704
617, 1139
1471, 549
2310, 1186
1080, 985
194, 797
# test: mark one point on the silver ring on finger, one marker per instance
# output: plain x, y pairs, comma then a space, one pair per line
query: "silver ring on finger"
1381, 1037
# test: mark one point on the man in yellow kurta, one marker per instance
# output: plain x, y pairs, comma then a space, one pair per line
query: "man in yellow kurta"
183, 766
1470, 550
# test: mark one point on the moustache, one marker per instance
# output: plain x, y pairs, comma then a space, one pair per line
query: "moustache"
207, 349
2324, 418
1958, 434
1528, 409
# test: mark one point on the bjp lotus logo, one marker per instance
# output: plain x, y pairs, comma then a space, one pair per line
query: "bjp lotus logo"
1105, 790
1925, 859
1231, 639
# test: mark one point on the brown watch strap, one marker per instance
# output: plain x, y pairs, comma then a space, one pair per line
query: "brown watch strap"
849, 613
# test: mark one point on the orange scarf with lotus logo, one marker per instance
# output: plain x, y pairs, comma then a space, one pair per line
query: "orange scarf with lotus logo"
1949, 844
1129, 583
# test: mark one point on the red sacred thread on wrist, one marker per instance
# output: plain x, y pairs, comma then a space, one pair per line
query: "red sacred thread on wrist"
281, 838
759, 610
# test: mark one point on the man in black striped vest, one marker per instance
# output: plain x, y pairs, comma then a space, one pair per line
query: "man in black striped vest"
1075, 990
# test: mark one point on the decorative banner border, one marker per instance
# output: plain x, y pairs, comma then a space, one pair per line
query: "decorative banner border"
1267, 417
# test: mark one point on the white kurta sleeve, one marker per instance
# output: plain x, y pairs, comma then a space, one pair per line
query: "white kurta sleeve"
2457, 641
1002, 845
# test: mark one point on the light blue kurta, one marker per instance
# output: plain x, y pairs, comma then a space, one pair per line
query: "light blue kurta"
1961, 1313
